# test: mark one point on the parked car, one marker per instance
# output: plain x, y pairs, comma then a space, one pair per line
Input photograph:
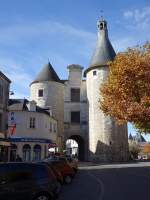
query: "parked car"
56, 172
73, 162
63, 166
20, 181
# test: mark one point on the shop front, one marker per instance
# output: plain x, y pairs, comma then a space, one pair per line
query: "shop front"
30, 149
4, 150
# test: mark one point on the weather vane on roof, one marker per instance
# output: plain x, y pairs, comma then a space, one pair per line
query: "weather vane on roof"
101, 11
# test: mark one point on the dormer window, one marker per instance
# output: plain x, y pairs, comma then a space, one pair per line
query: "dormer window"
40, 93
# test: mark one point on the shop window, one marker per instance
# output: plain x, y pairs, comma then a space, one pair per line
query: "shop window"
37, 152
13, 152
26, 152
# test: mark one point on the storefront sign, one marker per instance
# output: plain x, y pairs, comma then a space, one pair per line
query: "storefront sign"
38, 140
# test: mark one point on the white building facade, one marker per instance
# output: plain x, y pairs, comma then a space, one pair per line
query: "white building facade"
32, 131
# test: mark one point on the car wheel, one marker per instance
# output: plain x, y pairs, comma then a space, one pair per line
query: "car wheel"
42, 197
68, 179
75, 170
58, 187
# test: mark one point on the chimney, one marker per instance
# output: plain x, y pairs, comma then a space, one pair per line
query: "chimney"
31, 106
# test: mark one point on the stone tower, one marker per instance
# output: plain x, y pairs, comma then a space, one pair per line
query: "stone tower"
47, 91
107, 140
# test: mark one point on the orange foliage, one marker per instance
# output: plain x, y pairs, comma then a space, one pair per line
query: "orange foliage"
126, 93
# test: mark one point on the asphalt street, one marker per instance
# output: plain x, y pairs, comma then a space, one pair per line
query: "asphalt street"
109, 182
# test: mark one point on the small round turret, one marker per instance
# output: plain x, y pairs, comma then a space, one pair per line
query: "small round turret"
48, 92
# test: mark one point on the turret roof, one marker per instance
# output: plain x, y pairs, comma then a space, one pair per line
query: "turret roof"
47, 74
104, 51
130, 137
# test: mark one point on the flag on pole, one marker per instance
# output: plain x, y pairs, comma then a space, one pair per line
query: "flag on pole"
13, 129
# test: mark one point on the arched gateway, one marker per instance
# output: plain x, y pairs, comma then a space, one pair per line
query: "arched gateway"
81, 146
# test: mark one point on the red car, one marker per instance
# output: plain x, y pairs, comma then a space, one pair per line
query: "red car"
65, 169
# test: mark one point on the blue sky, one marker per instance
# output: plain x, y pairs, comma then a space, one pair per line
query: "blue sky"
63, 31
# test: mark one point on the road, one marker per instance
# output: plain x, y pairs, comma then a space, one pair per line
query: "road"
109, 182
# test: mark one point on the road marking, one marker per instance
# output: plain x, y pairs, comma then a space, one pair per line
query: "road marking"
102, 190
116, 166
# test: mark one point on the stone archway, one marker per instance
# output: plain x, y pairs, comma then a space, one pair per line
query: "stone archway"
81, 146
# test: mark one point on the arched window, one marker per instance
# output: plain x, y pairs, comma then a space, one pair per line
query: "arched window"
37, 152
13, 152
26, 152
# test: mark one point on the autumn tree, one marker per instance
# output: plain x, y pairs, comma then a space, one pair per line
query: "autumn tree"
134, 150
126, 93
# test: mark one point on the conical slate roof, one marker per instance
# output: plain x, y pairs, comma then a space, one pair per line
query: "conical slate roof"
47, 74
104, 51
130, 137
140, 138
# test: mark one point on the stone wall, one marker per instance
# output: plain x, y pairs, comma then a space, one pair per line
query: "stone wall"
107, 140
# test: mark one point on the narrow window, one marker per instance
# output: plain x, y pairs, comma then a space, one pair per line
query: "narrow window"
50, 126
1, 122
101, 26
75, 117
1, 93
40, 93
55, 128
32, 122
75, 94
94, 73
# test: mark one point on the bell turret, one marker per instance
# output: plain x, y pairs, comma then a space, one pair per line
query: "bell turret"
104, 51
